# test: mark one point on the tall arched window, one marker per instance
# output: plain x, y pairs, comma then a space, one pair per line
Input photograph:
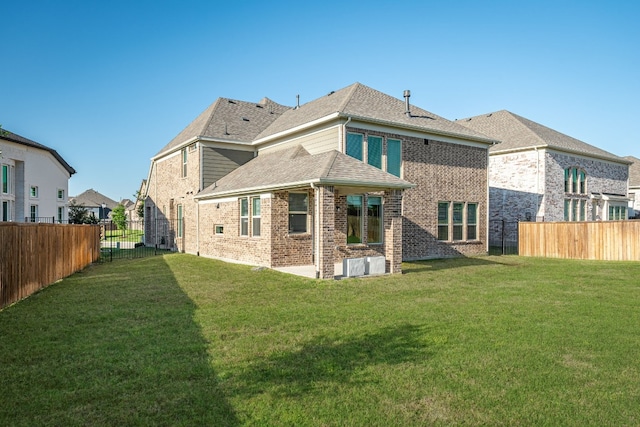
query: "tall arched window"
575, 189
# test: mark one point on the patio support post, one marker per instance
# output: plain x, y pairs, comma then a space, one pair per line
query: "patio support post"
326, 231
393, 230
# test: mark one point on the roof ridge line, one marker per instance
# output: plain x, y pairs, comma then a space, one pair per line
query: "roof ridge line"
332, 160
347, 99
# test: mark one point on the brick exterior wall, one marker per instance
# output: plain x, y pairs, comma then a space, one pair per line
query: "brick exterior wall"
231, 245
602, 177
442, 171
289, 249
166, 190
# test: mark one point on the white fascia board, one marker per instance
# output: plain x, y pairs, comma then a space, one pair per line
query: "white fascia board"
296, 129
233, 199
419, 132
305, 184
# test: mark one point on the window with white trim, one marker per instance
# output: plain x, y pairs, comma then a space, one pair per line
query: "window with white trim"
61, 213
457, 221
33, 192
33, 213
219, 229
298, 210
244, 216
183, 156
255, 216
60, 194
180, 221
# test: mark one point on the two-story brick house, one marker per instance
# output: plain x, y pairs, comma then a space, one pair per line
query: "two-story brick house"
539, 174
634, 186
354, 173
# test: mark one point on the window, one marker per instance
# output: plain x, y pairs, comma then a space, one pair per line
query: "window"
6, 211
374, 220
374, 151
184, 162
60, 194
33, 192
443, 221
60, 213
354, 219
458, 209
354, 145
575, 181
180, 221
298, 207
255, 216
6, 176
472, 221
219, 229
575, 209
617, 212
244, 216
394, 156
33, 211
457, 221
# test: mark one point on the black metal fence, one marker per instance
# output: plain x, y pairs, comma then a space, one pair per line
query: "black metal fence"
503, 237
129, 240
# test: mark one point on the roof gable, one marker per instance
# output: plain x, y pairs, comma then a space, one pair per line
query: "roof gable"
91, 198
515, 132
13, 137
365, 103
229, 120
296, 167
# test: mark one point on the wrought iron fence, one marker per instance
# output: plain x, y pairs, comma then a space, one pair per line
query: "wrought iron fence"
503, 237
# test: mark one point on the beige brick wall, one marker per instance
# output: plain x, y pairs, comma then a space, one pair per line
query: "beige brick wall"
289, 249
442, 171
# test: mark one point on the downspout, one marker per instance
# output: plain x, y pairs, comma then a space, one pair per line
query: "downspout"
538, 198
200, 185
344, 135
155, 202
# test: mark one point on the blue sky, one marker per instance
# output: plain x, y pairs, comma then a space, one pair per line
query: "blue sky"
108, 84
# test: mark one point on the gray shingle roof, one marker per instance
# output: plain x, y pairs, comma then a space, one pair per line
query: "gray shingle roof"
634, 171
13, 137
230, 120
360, 101
247, 122
296, 167
92, 199
516, 132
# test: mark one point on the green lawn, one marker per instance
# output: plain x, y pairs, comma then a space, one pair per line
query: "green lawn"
182, 340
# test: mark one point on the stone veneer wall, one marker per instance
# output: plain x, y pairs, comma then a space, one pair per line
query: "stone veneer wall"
602, 177
443, 172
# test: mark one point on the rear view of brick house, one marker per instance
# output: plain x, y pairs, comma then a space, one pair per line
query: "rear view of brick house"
355, 173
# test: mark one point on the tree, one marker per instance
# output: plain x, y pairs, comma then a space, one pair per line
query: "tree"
3, 132
119, 217
139, 205
78, 214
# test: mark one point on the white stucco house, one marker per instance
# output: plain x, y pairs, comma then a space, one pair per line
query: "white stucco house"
34, 181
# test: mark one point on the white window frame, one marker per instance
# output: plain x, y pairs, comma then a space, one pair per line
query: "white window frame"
255, 217
244, 217
218, 229
183, 162
449, 225
305, 213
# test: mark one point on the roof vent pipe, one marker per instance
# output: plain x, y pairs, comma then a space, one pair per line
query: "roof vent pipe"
407, 94
297, 101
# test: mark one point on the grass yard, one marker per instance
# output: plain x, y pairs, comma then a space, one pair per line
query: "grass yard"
181, 340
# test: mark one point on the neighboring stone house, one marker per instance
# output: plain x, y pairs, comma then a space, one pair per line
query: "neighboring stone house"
634, 187
539, 174
34, 181
96, 203
355, 173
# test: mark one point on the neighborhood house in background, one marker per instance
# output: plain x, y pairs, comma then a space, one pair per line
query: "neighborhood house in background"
353, 174
634, 187
34, 181
539, 174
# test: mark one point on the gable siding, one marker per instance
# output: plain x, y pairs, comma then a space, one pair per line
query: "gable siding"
217, 162
314, 143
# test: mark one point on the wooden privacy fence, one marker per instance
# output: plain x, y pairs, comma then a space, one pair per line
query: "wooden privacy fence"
602, 240
33, 256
